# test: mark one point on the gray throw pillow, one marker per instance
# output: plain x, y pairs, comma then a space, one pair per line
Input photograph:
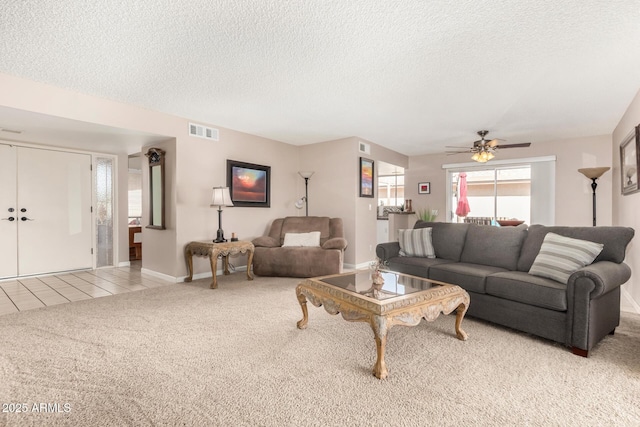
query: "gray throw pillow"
416, 242
560, 257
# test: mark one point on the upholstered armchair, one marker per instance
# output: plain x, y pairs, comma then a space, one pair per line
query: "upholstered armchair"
305, 246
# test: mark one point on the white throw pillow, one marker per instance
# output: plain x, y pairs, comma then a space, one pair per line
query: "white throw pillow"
560, 257
416, 242
311, 239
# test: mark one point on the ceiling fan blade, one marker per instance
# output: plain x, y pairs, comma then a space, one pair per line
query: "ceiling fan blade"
521, 145
492, 143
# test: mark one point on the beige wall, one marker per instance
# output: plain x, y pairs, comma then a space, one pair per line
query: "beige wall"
626, 208
334, 190
573, 191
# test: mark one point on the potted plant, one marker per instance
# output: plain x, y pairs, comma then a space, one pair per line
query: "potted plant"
426, 214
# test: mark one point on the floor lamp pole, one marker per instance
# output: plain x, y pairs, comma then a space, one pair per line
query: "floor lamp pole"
306, 196
593, 187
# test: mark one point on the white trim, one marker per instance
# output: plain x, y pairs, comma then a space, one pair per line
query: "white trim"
124, 264
628, 301
159, 275
180, 279
362, 265
524, 160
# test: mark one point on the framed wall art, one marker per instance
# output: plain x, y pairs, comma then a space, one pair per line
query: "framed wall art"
249, 184
366, 177
424, 188
630, 162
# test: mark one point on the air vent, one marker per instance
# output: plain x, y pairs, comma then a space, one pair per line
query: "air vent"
364, 147
205, 132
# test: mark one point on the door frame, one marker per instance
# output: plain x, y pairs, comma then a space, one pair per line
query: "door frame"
94, 155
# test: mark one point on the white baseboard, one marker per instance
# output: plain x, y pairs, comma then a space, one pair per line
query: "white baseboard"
627, 303
362, 265
207, 274
159, 275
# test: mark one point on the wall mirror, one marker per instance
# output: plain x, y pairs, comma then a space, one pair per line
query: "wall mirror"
156, 188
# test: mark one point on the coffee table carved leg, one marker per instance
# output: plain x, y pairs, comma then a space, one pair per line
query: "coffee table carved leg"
302, 324
460, 312
249, 264
380, 330
188, 256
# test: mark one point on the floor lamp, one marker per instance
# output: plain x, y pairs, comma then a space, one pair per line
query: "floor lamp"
306, 176
593, 174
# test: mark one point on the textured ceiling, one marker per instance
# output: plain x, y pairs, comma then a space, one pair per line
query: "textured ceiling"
411, 75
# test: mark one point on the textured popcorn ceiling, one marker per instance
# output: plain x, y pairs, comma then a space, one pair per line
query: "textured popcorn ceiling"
411, 75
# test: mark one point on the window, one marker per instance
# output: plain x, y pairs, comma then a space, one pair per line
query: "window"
522, 190
391, 190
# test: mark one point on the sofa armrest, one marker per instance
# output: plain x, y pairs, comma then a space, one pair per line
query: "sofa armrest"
604, 276
386, 251
266, 242
335, 243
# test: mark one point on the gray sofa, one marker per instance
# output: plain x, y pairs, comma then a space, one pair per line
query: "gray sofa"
492, 265
271, 258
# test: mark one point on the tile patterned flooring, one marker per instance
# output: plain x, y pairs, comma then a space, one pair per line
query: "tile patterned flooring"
34, 292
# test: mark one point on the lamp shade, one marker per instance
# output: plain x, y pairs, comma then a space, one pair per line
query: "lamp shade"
221, 197
593, 173
306, 174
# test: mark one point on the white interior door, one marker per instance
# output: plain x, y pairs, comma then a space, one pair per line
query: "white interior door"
8, 214
53, 211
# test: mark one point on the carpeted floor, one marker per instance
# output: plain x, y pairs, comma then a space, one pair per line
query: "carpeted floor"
188, 355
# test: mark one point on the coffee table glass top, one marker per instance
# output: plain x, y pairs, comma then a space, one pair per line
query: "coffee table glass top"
395, 284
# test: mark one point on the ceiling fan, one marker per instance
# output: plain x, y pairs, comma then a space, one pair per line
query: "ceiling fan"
484, 150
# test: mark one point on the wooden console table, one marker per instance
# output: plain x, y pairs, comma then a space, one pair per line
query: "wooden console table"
215, 250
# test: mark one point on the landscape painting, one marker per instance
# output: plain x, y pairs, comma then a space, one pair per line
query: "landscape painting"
248, 184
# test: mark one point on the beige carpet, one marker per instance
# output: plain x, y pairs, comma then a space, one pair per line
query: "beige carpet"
188, 355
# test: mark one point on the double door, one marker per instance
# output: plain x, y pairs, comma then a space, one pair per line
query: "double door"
45, 211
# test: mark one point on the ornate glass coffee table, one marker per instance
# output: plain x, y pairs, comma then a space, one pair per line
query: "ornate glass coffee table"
401, 300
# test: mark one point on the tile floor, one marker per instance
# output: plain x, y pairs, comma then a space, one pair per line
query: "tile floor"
34, 292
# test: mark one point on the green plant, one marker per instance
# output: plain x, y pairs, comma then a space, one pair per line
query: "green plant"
427, 214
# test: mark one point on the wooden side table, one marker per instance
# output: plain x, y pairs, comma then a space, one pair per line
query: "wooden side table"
215, 250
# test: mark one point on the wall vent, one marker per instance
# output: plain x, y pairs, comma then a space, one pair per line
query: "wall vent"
205, 132
364, 147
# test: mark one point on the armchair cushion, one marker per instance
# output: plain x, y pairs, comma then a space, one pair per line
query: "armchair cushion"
266, 242
335, 243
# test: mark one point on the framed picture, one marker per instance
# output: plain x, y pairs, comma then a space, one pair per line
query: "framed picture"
630, 161
424, 188
366, 177
249, 184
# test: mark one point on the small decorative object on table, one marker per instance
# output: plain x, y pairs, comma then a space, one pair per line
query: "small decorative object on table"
234, 238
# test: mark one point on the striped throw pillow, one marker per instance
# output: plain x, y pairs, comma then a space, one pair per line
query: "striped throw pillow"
560, 257
416, 242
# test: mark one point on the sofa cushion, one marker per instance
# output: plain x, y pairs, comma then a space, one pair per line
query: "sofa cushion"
561, 256
471, 277
528, 289
416, 266
448, 238
416, 242
311, 239
615, 240
494, 246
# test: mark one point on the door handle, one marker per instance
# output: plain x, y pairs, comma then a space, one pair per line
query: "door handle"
8, 219
24, 218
